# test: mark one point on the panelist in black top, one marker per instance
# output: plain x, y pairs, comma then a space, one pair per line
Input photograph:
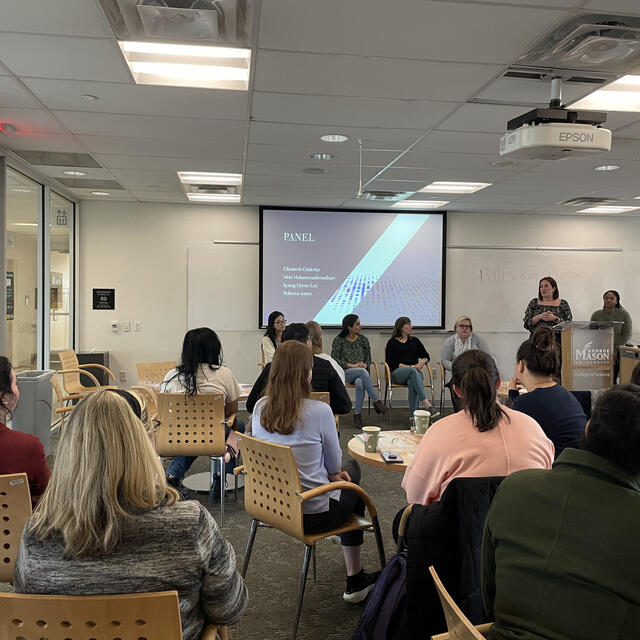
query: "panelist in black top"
406, 357
548, 309
323, 375
554, 408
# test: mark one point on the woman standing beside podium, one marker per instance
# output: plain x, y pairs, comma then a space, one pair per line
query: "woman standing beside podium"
613, 311
548, 309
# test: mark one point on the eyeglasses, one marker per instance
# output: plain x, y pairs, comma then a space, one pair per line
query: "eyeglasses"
465, 326
280, 322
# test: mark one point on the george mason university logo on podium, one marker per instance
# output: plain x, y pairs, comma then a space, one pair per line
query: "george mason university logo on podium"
590, 354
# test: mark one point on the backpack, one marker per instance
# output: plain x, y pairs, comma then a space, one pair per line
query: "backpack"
384, 610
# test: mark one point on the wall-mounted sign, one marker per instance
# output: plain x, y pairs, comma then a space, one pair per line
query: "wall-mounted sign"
104, 299
10, 294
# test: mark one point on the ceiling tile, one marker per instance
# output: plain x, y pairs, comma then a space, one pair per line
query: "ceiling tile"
62, 57
342, 155
610, 6
161, 163
45, 142
460, 142
109, 124
163, 147
483, 118
62, 17
420, 29
13, 95
140, 99
31, 122
349, 112
359, 76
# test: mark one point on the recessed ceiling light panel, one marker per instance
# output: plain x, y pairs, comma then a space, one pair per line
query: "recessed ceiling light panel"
454, 187
214, 197
608, 209
203, 177
607, 167
73, 172
100, 193
187, 65
322, 156
334, 137
419, 204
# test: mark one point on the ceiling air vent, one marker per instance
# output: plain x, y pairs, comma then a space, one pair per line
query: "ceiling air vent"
592, 42
213, 189
386, 196
586, 201
90, 183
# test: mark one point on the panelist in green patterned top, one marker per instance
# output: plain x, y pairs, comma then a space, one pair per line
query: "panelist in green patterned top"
352, 352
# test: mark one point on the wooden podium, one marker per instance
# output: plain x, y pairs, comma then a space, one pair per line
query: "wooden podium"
587, 355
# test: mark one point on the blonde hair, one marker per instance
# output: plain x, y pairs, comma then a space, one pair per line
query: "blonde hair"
288, 387
315, 334
106, 473
460, 320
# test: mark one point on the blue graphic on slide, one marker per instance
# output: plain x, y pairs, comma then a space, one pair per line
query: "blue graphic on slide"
372, 266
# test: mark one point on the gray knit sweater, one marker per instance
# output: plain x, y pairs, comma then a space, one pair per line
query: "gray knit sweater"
178, 547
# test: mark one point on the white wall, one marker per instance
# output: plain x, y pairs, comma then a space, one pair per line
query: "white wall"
141, 251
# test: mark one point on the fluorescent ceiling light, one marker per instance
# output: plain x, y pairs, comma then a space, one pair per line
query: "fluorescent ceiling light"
20, 190
322, 156
607, 209
74, 173
419, 204
214, 197
100, 193
621, 95
188, 66
202, 177
607, 167
454, 187
334, 137
24, 224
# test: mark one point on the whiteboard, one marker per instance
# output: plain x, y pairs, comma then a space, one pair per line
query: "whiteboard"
222, 286
494, 286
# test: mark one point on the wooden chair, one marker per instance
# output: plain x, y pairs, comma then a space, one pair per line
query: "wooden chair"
273, 497
151, 374
64, 408
194, 426
377, 384
390, 385
442, 387
71, 381
324, 396
15, 510
139, 615
457, 623
149, 397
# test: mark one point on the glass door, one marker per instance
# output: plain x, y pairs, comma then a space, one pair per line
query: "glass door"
24, 213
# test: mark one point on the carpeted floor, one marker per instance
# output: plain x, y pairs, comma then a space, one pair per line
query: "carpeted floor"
274, 570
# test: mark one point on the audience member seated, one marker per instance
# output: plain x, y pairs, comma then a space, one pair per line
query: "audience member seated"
324, 376
315, 334
273, 335
555, 409
635, 375
407, 357
108, 523
287, 416
352, 352
201, 371
486, 439
19, 452
560, 548
462, 340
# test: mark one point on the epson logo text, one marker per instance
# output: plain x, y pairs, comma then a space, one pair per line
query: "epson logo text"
575, 136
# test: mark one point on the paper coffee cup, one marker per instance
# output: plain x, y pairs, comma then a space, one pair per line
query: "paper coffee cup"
422, 418
371, 435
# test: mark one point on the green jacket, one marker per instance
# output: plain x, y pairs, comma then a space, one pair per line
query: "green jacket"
621, 332
561, 556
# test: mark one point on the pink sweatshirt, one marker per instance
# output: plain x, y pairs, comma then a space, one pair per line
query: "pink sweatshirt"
454, 448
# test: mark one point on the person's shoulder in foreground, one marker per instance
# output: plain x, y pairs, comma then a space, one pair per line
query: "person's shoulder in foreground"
560, 555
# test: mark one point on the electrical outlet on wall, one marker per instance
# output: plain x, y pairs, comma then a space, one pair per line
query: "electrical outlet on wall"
137, 325
126, 326
123, 376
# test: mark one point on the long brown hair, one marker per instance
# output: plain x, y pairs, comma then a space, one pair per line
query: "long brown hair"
315, 334
397, 327
475, 373
287, 388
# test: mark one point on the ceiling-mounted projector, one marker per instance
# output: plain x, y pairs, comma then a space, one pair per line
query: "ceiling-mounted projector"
555, 132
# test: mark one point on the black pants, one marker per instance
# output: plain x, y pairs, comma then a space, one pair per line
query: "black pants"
340, 511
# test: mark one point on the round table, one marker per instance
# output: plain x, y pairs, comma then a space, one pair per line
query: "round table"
404, 443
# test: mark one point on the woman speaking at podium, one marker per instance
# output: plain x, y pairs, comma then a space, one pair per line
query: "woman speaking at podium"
548, 309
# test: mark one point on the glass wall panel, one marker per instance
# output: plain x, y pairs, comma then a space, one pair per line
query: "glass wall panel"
24, 200
61, 219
